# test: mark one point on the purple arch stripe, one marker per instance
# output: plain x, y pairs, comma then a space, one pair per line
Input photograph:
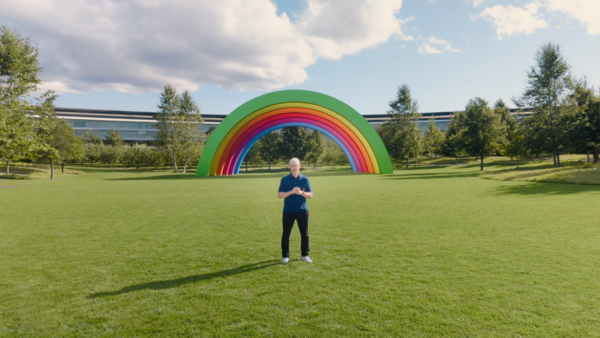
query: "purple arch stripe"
311, 123
240, 159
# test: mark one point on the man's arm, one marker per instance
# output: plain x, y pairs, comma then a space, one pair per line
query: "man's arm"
307, 194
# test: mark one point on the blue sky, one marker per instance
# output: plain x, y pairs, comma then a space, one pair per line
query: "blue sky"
116, 56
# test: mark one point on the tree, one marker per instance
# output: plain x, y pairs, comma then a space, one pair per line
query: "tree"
315, 145
453, 144
93, 152
294, 143
113, 138
269, 147
179, 123
252, 155
67, 145
586, 132
516, 146
549, 91
401, 135
480, 128
332, 153
91, 137
110, 154
136, 155
434, 140
19, 68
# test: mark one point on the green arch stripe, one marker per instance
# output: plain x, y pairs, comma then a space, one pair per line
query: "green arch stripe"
284, 96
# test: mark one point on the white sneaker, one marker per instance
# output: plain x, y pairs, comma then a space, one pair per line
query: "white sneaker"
307, 259
285, 260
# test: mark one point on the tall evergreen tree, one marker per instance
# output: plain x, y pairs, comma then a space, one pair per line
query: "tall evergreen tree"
113, 138
549, 91
401, 134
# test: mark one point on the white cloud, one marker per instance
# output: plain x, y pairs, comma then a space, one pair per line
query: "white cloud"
435, 46
141, 45
476, 3
339, 27
514, 20
586, 11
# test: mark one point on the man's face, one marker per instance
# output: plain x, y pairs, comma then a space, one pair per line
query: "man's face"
295, 167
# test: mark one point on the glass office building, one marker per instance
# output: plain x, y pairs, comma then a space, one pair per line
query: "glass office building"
138, 126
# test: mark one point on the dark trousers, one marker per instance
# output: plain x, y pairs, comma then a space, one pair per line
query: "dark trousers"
288, 224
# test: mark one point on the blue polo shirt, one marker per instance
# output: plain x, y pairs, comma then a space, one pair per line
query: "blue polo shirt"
294, 203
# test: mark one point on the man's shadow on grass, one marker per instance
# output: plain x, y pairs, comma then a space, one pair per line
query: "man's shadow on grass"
173, 283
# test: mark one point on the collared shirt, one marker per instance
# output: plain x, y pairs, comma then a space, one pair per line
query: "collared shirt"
294, 203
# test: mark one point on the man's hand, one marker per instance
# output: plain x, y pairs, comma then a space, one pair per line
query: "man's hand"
297, 191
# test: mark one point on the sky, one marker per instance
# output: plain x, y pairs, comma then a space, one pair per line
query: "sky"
116, 54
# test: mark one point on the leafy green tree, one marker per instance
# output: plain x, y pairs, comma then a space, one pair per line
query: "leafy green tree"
315, 143
332, 153
453, 145
66, 144
136, 155
294, 143
480, 128
179, 123
91, 137
401, 135
110, 154
93, 152
269, 147
516, 144
433, 140
549, 91
253, 155
19, 68
113, 138
586, 132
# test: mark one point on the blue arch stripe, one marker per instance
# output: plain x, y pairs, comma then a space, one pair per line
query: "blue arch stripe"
240, 160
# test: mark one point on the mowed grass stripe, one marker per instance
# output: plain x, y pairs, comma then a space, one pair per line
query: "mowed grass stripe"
430, 252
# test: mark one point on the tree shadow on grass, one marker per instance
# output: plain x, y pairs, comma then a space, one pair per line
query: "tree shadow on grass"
278, 174
426, 176
173, 283
533, 188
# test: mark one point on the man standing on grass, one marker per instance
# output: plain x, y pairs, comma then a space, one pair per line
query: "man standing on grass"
295, 188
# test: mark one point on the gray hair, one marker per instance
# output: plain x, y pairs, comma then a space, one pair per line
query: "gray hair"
295, 160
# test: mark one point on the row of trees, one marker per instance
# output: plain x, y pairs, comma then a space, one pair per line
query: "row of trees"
566, 117
309, 146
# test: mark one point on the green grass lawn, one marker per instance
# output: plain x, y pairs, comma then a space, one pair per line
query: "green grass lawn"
421, 253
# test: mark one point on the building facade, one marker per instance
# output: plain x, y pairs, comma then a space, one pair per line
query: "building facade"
138, 126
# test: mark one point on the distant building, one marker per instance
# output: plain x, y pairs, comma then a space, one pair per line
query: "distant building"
137, 126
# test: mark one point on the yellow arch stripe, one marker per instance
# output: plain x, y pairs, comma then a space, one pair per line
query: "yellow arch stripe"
239, 125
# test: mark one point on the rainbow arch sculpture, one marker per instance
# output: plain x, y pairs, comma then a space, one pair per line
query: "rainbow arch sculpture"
236, 134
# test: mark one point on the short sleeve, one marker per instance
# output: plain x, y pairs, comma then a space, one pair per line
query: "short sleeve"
282, 186
308, 187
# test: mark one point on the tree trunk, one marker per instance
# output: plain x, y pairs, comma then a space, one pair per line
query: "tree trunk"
482, 162
406, 162
269, 165
51, 169
137, 167
7, 167
554, 157
62, 167
595, 155
588, 155
517, 162
456, 159
175, 164
246, 166
557, 158
109, 165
